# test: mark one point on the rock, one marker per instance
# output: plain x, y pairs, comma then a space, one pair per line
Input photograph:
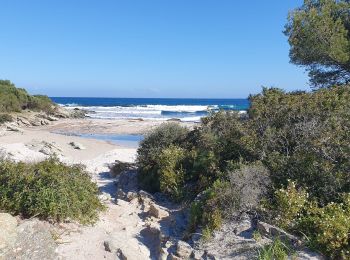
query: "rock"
77, 145
243, 226
13, 128
34, 241
44, 122
269, 230
36, 123
183, 249
308, 255
52, 118
163, 254
8, 232
131, 195
157, 212
107, 246
23, 121
46, 151
174, 257
197, 255
145, 196
121, 255
61, 112
123, 251
174, 120
105, 196
209, 256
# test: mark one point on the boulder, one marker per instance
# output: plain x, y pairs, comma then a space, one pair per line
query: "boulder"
197, 255
157, 212
77, 146
23, 121
13, 128
105, 196
183, 249
8, 232
34, 241
123, 251
272, 231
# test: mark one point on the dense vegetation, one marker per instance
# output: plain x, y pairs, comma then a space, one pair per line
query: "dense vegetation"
49, 190
319, 35
288, 160
14, 99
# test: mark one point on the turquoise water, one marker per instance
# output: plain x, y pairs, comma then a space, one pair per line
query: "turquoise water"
131, 141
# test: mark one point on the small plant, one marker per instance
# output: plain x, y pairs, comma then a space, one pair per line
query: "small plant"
49, 190
257, 236
5, 118
277, 250
289, 204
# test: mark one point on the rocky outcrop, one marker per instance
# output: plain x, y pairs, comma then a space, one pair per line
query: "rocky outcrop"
272, 231
8, 234
29, 240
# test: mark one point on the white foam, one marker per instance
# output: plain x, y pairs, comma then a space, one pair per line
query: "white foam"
147, 112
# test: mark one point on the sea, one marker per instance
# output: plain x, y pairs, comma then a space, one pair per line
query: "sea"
189, 109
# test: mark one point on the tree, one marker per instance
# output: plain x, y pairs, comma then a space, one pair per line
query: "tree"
319, 35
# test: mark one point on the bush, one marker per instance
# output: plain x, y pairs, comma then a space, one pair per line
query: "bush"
205, 213
14, 99
171, 174
41, 103
225, 200
49, 190
150, 149
286, 138
328, 228
303, 137
249, 184
290, 202
5, 118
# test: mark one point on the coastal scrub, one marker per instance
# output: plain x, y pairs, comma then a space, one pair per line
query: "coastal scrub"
49, 190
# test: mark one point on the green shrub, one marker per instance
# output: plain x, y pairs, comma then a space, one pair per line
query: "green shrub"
49, 190
150, 149
328, 228
298, 136
14, 99
5, 118
277, 250
41, 103
303, 137
290, 203
171, 174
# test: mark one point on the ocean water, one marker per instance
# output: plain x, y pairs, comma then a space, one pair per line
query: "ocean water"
151, 108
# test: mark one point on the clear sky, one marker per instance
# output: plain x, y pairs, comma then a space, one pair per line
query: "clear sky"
147, 48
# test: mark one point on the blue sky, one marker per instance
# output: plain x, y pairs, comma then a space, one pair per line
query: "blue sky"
147, 48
